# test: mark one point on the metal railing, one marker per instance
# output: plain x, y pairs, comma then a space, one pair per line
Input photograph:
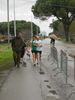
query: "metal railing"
62, 60
54, 55
64, 64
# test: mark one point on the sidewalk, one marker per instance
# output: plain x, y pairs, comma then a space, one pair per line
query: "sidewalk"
21, 85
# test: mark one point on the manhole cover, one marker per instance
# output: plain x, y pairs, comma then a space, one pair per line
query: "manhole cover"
46, 80
41, 72
53, 92
48, 86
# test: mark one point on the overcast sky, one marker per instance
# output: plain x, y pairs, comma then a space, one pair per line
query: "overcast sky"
23, 12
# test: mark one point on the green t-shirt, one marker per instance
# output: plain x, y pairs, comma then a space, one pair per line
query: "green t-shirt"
33, 45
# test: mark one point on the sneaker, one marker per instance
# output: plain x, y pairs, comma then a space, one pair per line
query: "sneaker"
37, 63
34, 64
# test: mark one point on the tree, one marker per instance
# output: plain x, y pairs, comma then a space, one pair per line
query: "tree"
63, 10
54, 25
20, 26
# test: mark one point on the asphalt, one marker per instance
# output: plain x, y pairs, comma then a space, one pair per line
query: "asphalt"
31, 83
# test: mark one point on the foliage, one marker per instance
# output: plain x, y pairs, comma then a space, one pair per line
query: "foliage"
20, 26
54, 25
63, 9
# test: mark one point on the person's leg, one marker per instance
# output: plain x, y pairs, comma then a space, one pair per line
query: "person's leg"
54, 43
33, 57
15, 57
37, 57
40, 53
18, 59
51, 42
22, 55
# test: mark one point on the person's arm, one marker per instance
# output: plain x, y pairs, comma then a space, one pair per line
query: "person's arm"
40, 43
34, 43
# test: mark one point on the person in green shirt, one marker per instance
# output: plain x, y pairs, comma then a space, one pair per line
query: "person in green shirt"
33, 50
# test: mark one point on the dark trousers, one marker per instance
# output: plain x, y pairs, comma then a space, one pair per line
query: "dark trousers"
16, 57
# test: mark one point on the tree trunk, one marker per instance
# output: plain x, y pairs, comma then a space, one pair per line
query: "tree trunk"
66, 30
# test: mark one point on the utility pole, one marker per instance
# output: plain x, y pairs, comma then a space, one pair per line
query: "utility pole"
8, 21
31, 27
14, 20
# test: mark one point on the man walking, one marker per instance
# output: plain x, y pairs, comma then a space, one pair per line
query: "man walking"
52, 41
18, 48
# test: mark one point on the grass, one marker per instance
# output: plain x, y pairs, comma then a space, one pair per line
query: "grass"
6, 58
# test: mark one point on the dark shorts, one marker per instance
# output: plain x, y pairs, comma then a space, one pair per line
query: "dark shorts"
34, 51
40, 52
